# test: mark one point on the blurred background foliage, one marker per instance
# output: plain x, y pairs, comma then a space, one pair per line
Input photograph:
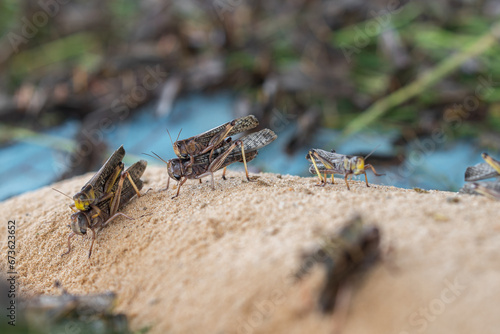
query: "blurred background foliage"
406, 67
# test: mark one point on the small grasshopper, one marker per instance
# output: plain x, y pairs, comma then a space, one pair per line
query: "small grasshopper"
115, 195
182, 169
346, 255
212, 139
481, 171
100, 187
92, 313
334, 163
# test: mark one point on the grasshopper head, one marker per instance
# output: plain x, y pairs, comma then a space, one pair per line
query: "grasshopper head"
174, 169
177, 148
358, 164
180, 149
79, 223
84, 198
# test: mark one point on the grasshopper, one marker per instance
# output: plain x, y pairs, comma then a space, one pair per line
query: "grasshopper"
212, 139
481, 171
183, 169
334, 163
346, 255
102, 212
100, 187
92, 313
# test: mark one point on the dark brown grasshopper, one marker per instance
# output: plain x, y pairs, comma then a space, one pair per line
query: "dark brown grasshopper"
242, 150
346, 255
334, 163
115, 195
212, 139
100, 187
481, 171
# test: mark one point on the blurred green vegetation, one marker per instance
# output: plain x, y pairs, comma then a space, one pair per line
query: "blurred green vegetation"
364, 70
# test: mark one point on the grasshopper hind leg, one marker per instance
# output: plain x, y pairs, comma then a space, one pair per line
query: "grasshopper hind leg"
245, 162
321, 181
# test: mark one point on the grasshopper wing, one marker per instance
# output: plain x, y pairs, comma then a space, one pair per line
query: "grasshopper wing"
480, 171
240, 124
99, 179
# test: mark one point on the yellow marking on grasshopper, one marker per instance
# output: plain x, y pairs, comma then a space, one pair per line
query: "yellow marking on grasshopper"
492, 162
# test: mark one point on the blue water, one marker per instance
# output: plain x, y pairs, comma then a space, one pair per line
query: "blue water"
31, 165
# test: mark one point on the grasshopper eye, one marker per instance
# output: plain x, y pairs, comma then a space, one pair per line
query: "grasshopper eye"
79, 223
82, 224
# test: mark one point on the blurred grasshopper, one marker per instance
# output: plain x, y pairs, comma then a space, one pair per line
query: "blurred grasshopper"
103, 184
334, 163
212, 139
103, 196
182, 169
346, 255
481, 171
91, 313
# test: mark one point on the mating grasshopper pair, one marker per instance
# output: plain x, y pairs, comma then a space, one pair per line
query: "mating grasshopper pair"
206, 153
334, 163
101, 198
488, 169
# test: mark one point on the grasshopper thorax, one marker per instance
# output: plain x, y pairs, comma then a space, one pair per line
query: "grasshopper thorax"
356, 165
79, 223
84, 198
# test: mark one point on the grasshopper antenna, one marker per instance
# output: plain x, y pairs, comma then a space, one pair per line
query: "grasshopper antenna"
156, 156
170, 138
371, 152
60, 192
176, 139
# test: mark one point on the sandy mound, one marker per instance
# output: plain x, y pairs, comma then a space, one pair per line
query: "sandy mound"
219, 261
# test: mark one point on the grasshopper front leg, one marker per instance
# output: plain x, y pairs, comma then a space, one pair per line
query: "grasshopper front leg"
92, 243
179, 187
71, 235
345, 179
373, 170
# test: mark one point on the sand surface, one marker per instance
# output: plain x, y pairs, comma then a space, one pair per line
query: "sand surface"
220, 261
